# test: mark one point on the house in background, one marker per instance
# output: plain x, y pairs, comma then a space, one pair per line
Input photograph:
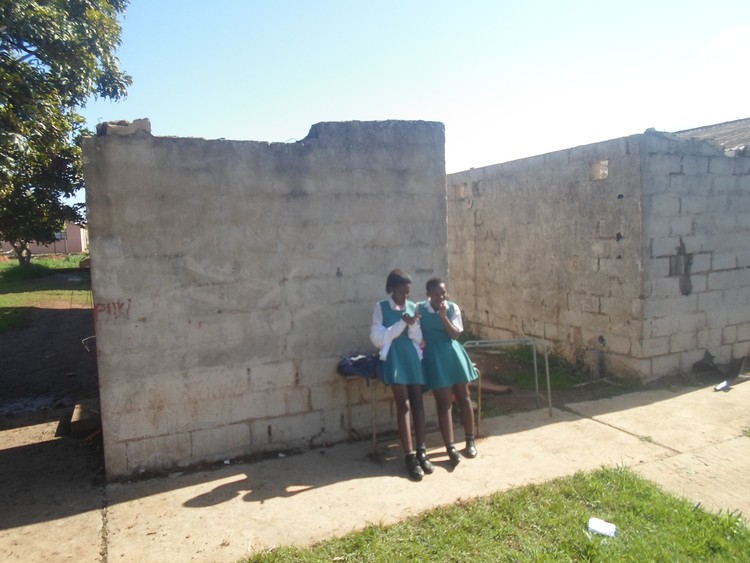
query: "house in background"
74, 239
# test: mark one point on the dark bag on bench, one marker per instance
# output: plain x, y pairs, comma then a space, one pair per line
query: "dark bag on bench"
361, 366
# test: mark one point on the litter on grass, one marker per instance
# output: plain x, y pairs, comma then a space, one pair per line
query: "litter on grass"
599, 526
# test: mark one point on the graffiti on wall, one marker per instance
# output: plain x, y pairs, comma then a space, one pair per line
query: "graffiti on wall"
112, 310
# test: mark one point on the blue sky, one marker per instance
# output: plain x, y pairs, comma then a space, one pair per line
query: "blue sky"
508, 79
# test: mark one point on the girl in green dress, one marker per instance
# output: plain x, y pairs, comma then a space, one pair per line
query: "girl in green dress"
448, 368
395, 331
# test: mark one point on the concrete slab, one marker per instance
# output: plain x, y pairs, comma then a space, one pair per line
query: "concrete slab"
683, 421
715, 476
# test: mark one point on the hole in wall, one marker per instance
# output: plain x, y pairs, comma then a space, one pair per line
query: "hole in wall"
600, 169
620, 196
619, 237
679, 266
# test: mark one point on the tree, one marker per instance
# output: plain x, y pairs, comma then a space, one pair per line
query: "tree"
54, 55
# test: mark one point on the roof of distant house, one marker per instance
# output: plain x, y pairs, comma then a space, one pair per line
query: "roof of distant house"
732, 135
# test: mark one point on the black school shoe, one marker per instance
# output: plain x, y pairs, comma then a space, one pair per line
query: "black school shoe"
454, 456
413, 469
424, 463
471, 449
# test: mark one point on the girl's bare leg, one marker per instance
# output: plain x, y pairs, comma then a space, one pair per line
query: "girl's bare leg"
467, 409
445, 418
403, 415
417, 412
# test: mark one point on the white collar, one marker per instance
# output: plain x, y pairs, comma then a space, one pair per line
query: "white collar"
394, 306
429, 306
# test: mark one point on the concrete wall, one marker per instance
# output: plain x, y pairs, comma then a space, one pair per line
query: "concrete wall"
549, 247
594, 249
229, 277
696, 248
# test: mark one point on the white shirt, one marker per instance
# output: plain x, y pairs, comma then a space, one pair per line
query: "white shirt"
381, 336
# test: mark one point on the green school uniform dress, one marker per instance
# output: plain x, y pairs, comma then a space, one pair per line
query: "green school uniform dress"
445, 362
402, 365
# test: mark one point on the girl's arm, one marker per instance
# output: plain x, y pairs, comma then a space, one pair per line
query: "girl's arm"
381, 336
453, 324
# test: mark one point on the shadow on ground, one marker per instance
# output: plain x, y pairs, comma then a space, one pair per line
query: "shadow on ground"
48, 476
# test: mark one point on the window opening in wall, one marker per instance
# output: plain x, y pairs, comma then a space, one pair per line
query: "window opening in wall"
600, 169
680, 264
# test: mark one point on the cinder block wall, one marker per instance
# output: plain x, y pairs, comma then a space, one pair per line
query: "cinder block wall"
696, 283
229, 277
630, 256
550, 247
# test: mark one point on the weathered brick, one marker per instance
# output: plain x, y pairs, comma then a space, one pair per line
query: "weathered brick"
296, 400
743, 332
727, 280
158, 452
682, 184
729, 334
263, 377
682, 342
721, 166
680, 226
619, 344
709, 338
662, 366
664, 246
741, 350
694, 165
663, 164
227, 441
708, 300
286, 430
701, 262
663, 205
655, 346
679, 305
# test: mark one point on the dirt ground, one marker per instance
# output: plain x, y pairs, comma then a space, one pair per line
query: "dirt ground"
44, 371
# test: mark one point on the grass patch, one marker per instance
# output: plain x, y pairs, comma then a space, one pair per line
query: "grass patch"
548, 522
562, 374
514, 367
22, 288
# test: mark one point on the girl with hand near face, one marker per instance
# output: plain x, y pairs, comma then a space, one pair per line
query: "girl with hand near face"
447, 367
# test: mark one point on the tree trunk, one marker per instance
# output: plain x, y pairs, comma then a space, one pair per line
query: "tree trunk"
23, 253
